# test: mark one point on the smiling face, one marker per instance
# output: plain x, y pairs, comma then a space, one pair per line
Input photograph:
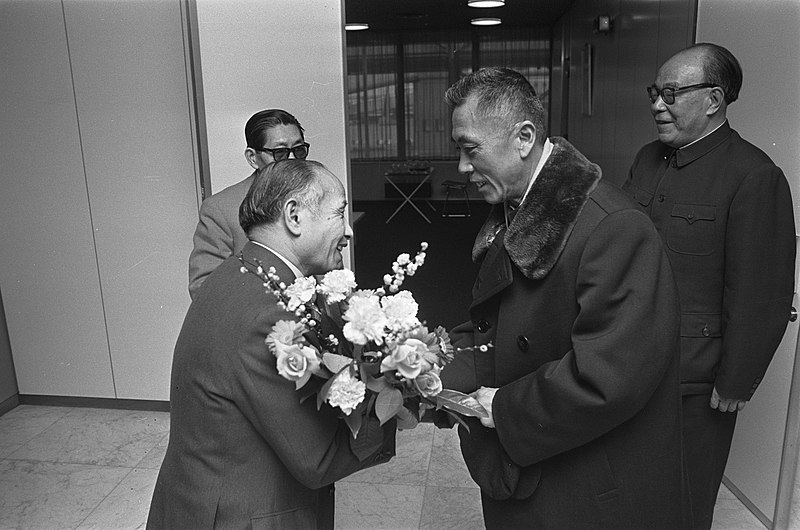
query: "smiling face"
326, 231
689, 117
489, 154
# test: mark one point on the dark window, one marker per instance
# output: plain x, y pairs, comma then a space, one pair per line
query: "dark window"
405, 75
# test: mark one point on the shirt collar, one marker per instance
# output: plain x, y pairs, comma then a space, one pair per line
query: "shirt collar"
691, 152
292, 266
547, 149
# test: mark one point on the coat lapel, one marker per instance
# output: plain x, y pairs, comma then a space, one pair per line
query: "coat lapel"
495, 273
540, 229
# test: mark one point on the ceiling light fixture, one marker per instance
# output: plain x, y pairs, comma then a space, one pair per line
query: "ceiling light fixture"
486, 21
356, 26
486, 3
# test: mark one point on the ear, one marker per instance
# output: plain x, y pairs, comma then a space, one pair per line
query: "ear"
526, 137
292, 218
716, 101
251, 155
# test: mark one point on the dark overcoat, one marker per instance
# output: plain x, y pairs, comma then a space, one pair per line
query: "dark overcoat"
243, 451
578, 301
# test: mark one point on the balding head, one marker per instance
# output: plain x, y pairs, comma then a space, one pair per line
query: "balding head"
305, 181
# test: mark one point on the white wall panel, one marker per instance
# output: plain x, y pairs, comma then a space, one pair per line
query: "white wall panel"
133, 103
287, 55
48, 267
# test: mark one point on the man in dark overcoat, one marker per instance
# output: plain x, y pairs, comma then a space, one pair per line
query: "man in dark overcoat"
574, 323
724, 211
243, 451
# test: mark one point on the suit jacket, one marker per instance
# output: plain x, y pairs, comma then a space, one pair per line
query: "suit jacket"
579, 303
218, 234
724, 211
243, 450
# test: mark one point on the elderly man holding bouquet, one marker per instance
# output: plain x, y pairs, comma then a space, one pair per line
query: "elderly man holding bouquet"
245, 450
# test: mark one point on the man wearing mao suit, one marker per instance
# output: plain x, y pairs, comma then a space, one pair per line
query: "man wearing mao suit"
724, 211
575, 321
271, 135
244, 452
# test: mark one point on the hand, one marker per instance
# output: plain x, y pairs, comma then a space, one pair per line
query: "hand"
725, 405
485, 396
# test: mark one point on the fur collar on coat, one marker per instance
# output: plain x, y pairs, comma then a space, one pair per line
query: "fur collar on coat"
542, 224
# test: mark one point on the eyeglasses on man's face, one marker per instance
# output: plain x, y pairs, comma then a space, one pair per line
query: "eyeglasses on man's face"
668, 92
300, 152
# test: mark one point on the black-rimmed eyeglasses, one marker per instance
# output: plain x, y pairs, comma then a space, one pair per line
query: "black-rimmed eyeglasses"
668, 92
300, 152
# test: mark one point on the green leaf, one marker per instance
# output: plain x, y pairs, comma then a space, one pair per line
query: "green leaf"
406, 419
377, 385
335, 362
322, 395
388, 403
461, 403
353, 421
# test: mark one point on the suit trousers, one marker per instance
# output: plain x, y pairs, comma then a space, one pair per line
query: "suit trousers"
707, 436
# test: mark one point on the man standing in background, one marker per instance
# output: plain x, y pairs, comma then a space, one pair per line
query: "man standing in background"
724, 211
271, 135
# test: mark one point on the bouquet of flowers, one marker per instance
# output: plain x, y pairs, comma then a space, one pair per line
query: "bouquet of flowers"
382, 359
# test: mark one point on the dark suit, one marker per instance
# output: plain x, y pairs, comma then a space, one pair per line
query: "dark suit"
218, 234
243, 451
724, 211
579, 302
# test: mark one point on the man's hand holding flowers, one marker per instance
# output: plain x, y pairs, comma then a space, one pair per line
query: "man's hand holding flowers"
389, 363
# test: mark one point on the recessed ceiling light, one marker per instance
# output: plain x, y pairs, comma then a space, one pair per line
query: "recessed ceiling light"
486, 3
486, 21
356, 26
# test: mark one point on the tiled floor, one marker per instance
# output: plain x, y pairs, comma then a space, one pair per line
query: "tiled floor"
87, 468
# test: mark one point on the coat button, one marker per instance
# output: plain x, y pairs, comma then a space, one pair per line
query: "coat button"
522, 342
483, 326
706, 331
661, 198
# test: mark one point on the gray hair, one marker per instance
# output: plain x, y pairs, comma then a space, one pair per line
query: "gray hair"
502, 94
306, 181
721, 68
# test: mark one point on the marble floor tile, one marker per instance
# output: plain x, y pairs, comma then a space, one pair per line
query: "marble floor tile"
26, 421
7, 449
362, 506
451, 509
447, 467
731, 514
96, 469
155, 455
47, 495
126, 506
410, 464
794, 511
98, 436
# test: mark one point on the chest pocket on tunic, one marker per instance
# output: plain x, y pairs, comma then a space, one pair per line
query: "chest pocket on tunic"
641, 196
692, 228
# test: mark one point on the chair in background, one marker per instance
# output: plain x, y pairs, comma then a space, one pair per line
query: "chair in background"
456, 186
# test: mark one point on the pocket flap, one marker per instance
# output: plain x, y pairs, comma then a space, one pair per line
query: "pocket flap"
701, 325
642, 196
694, 212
